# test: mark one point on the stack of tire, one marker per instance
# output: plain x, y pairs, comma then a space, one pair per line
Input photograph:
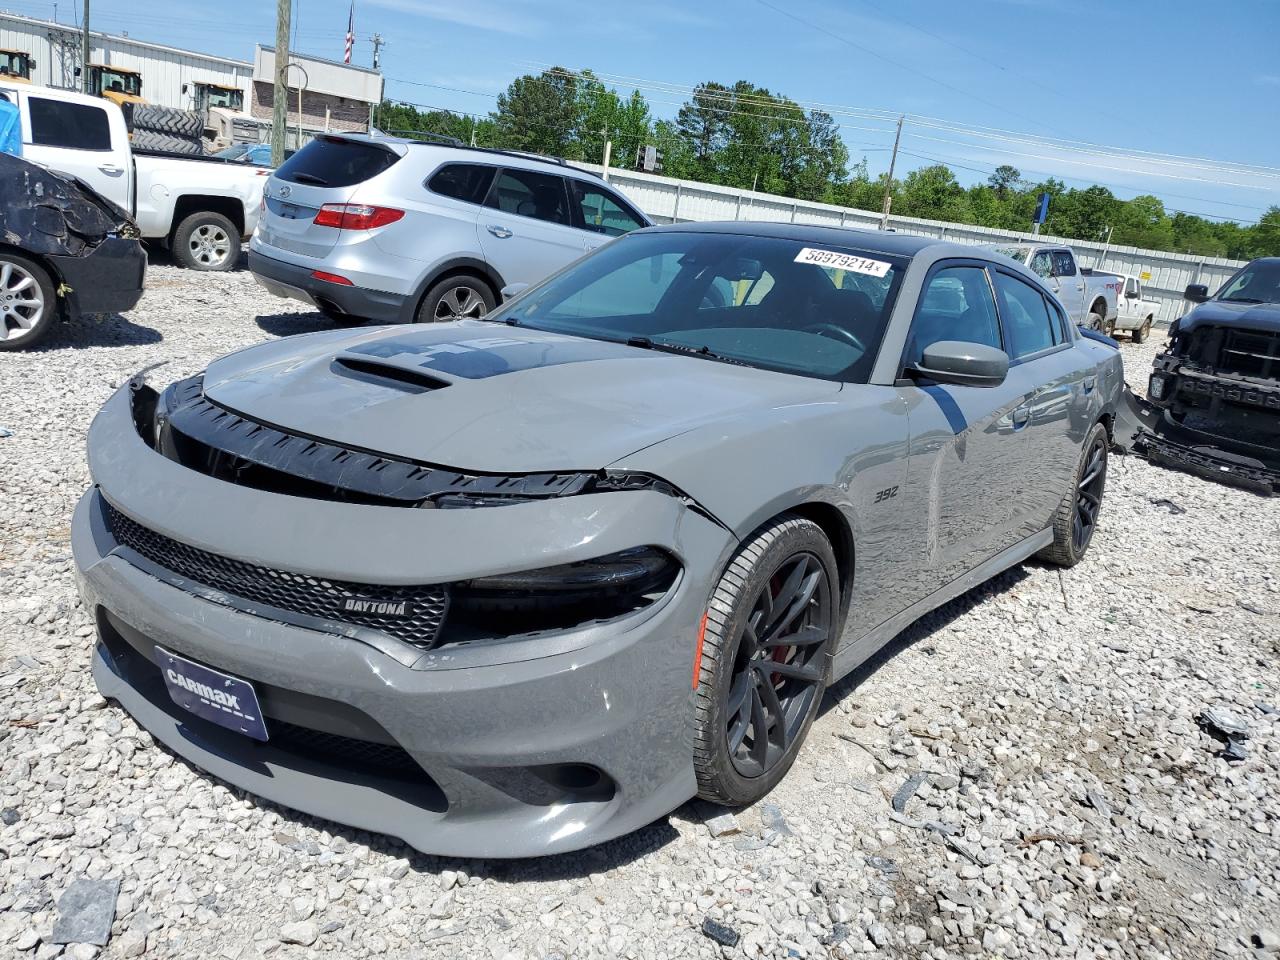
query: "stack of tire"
167, 130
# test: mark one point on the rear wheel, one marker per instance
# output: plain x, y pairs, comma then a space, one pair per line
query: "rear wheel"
1077, 516
765, 660
1094, 321
456, 298
1142, 332
206, 241
28, 304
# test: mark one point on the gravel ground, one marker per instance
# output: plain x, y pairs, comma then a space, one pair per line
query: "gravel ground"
1065, 801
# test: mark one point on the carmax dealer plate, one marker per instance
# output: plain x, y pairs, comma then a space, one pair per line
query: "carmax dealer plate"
218, 697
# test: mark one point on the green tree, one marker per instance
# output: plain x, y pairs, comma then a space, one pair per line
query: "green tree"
1004, 180
631, 129
1266, 234
702, 123
1142, 222
934, 194
1083, 214
540, 114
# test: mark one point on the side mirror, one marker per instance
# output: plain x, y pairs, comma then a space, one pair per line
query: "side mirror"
1196, 293
513, 290
964, 364
1131, 294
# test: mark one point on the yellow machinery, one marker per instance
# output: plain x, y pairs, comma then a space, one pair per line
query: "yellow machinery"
116, 84
16, 65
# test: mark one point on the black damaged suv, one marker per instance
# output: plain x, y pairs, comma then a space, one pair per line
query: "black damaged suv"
1216, 386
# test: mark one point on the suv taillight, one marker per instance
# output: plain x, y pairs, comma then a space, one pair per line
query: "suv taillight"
356, 216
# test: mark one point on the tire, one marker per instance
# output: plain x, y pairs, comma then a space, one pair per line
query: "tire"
1070, 543
1144, 331
455, 298
730, 665
185, 124
1094, 322
1110, 330
28, 302
163, 143
206, 241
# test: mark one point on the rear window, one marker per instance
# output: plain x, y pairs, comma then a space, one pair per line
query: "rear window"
326, 162
75, 126
462, 181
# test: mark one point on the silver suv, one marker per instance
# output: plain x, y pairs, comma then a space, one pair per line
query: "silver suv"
397, 230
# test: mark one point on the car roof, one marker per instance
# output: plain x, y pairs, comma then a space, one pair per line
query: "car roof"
511, 158
880, 241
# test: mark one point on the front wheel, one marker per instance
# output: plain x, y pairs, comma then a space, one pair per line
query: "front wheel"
28, 304
1094, 322
1076, 518
1142, 332
206, 241
765, 658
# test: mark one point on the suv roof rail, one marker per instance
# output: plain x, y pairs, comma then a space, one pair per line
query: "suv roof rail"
429, 134
522, 154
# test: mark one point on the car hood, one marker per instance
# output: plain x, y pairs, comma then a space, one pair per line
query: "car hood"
488, 398
1249, 316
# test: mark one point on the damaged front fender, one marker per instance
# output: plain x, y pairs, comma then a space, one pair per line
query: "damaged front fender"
53, 215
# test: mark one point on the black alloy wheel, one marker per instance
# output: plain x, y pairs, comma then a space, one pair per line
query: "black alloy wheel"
763, 660
1089, 494
780, 665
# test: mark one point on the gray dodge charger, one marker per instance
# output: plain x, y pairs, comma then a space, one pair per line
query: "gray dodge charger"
514, 586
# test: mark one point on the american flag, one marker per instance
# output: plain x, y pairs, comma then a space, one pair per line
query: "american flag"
351, 34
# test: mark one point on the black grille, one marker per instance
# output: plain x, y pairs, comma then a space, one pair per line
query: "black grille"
1250, 353
423, 607
384, 759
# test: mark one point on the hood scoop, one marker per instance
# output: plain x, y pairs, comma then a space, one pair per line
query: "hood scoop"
386, 373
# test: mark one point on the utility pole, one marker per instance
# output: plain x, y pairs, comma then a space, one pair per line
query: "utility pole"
280, 102
608, 150
85, 82
888, 184
377, 51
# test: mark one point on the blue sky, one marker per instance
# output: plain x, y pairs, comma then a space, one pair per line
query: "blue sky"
1152, 78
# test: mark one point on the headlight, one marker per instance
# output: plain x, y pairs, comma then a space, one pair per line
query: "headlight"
564, 596
1155, 389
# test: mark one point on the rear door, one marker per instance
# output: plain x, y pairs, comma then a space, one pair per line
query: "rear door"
526, 229
80, 139
1056, 388
327, 170
1067, 283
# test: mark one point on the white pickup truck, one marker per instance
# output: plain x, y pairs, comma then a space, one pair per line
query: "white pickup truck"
1091, 299
203, 207
1137, 313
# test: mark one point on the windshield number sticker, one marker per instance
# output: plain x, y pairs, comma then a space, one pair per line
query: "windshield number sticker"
842, 261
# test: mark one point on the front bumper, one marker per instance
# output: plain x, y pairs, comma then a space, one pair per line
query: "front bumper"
107, 279
504, 739
297, 283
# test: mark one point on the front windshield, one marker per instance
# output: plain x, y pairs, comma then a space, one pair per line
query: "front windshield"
1014, 253
814, 309
1258, 282
120, 82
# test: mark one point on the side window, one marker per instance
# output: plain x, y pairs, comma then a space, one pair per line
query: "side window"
1027, 322
601, 212
1042, 264
76, 126
468, 182
956, 305
527, 193
1131, 286
1064, 264
1062, 326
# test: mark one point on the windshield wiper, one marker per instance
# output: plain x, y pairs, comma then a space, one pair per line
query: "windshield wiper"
310, 178
705, 352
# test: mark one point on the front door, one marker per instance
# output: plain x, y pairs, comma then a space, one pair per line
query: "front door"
77, 139
967, 459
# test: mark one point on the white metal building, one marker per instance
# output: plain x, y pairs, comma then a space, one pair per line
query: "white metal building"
169, 75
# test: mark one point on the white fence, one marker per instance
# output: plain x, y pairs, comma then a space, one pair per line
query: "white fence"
1165, 275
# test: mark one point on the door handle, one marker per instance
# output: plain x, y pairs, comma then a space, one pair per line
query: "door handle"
498, 231
111, 168
1021, 417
